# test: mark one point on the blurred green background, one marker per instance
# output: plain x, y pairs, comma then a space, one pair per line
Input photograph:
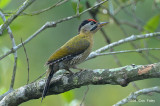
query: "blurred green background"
41, 47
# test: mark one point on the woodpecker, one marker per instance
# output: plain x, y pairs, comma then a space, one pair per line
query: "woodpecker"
73, 52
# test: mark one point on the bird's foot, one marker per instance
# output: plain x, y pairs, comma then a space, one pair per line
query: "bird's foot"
70, 72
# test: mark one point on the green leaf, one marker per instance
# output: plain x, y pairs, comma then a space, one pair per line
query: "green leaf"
68, 96
4, 3
152, 24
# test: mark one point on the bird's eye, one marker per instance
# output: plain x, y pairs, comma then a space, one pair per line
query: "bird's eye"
92, 23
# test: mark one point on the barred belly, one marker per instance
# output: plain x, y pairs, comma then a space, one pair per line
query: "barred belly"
76, 60
73, 61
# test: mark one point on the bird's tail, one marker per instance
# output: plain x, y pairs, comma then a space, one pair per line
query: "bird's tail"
47, 83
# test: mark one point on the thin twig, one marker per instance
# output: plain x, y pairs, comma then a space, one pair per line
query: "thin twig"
85, 94
17, 13
78, 3
125, 51
125, 40
93, 13
131, 24
15, 52
88, 9
126, 35
48, 25
46, 9
60, 2
138, 20
134, 95
116, 11
154, 57
135, 86
107, 39
39, 77
14, 72
26, 59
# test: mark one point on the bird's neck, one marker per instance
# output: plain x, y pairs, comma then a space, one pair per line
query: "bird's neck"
87, 36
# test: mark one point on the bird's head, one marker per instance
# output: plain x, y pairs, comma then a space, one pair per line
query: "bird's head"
90, 26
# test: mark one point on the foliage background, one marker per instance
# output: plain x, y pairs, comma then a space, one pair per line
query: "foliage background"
40, 48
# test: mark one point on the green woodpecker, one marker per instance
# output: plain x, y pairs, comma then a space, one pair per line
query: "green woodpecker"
73, 52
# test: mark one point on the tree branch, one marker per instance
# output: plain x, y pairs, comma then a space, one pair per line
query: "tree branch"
125, 40
12, 17
46, 9
48, 25
140, 50
134, 95
136, 26
60, 2
62, 83
125, 33
15, 52
93, 13
25, 51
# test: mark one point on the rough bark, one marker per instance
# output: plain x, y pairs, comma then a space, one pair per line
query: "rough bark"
62, 83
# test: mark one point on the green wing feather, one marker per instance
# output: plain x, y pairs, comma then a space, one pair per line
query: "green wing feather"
73, 47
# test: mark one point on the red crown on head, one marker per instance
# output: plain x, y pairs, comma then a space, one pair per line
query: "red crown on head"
92, 20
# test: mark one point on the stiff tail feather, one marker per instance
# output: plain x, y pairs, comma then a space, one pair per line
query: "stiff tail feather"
47, 83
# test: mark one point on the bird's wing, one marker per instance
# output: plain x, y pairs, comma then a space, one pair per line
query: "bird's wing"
70, 49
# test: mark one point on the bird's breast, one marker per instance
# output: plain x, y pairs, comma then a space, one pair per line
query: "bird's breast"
75, 60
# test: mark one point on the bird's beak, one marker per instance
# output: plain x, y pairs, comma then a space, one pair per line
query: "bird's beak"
101, 24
